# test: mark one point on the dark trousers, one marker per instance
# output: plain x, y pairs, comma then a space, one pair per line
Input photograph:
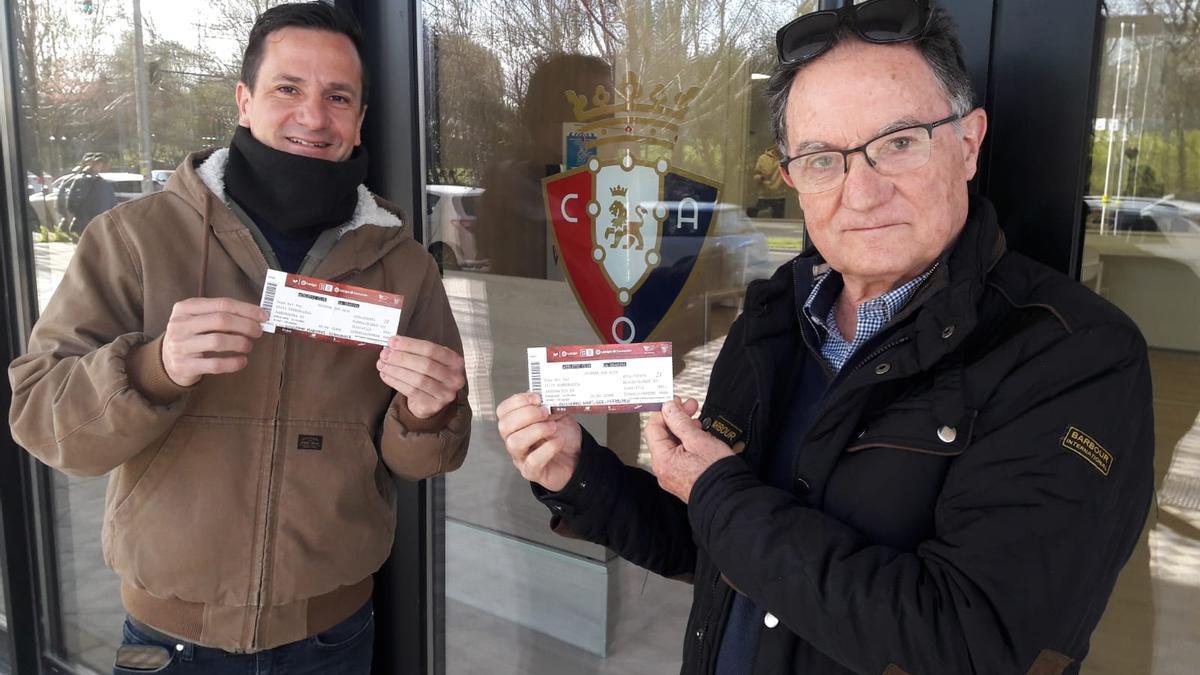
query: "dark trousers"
344, 649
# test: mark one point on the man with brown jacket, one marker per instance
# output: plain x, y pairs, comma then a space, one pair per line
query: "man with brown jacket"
249, 500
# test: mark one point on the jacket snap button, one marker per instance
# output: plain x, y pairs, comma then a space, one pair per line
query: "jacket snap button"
770, 620
862, 432
947, 332
947, 434
882, 369
802, 485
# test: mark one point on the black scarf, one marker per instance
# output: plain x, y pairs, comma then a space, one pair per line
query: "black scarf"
297, 195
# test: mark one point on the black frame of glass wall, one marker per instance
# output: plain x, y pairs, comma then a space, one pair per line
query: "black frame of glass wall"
1007, 42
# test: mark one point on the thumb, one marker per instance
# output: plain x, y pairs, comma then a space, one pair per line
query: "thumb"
679, 422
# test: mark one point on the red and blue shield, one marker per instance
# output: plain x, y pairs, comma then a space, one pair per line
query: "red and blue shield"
629, 234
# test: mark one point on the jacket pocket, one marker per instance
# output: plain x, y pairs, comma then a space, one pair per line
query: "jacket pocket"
913, 428
187, 529
336, 509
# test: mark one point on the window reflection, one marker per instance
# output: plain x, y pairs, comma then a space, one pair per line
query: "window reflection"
1142, 252
78, 99
536, 110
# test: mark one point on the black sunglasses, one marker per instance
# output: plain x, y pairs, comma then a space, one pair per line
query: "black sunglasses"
878, 21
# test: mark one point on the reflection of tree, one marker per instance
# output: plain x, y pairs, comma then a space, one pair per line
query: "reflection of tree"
76, 75
1159, 73
709, 44
467, 117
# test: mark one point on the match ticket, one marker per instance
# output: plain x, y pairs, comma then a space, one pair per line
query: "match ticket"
329, 311
602, 378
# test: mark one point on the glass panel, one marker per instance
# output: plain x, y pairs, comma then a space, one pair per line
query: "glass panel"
1142, 252
79, 94
524, 97
5, 644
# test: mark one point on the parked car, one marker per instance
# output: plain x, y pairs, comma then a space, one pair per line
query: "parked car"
1142, 214
160, 177
35, 183
450, 217
45, 203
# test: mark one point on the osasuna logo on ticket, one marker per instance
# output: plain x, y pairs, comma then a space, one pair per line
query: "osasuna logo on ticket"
329, 311
602, 378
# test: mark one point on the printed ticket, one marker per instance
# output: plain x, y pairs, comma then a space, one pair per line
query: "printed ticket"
329, 311
602, 378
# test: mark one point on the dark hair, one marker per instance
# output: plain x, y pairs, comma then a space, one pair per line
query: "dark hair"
315, 15
939, 47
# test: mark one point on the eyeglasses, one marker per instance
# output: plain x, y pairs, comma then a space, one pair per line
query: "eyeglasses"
892, 153
878, 21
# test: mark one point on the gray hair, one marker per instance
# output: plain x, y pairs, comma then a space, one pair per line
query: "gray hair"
939, 47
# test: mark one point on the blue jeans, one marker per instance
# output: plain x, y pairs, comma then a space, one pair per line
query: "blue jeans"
344, 649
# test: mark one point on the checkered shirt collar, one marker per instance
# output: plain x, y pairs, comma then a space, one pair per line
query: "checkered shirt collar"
873, 314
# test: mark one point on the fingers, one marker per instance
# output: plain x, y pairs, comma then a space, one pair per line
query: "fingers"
656, 433
430, 350
521, 442
680, 422
517, 401
186, 325
201, 306
425, 369
516, 418
533, 467
214, 343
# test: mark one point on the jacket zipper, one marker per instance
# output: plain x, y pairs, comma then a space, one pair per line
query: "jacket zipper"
703, 632
262, 575
841, 376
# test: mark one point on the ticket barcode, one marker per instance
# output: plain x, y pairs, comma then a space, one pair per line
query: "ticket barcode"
268, 299
535, 377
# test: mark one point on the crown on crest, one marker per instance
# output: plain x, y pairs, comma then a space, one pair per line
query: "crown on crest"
619, 191
629, 115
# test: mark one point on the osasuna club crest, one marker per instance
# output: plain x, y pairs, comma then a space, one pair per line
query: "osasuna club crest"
628, 237
629, 231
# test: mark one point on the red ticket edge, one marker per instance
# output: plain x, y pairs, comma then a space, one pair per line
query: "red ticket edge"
344, 291
321, 337
641, 350
606, 409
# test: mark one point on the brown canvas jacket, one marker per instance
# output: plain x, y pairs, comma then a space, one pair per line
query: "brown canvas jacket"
250, 510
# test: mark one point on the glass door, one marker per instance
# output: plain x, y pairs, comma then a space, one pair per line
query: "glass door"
96, 88
1142, 252
525, 99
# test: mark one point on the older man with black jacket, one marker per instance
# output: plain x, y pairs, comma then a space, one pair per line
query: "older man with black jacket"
920, 452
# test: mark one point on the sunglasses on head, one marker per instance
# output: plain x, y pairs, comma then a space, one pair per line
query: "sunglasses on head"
878, 21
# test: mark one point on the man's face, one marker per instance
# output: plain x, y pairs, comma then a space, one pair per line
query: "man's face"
876, 228
307, 98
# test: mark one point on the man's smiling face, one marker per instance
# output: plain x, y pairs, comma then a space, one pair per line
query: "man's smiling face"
307, 96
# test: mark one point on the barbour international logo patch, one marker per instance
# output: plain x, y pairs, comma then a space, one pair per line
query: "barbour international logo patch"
1086, 447
306, 442
727, 431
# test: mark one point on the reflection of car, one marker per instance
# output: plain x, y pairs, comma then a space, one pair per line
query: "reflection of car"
35, 183
160, 178
741, 248
450, 225
1142, 214
45, 203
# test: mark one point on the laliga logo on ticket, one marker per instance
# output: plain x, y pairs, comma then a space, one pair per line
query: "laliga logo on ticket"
629, 231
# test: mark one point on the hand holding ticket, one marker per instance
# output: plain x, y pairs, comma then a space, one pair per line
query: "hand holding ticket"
602, 378
329, 311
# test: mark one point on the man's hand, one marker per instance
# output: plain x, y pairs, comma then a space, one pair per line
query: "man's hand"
427, 373
206, 336
543, 447
679, 449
